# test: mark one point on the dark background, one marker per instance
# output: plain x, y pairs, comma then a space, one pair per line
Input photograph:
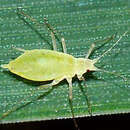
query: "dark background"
115, 121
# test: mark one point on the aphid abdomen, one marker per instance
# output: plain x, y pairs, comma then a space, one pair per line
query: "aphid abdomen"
43, 65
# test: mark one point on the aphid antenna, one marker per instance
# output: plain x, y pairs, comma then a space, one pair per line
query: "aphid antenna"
113, 73
97, 59
106, 40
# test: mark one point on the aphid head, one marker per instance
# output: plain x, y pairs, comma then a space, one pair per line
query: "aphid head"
90, 65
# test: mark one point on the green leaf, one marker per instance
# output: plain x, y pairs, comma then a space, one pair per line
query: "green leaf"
80, 22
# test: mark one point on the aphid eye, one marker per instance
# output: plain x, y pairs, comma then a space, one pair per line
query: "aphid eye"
88, 70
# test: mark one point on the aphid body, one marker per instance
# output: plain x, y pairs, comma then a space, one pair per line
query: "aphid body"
44, 65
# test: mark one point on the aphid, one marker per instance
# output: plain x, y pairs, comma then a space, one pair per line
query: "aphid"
46, 65
51, 65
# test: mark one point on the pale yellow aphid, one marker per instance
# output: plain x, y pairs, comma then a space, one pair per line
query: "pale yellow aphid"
51, 65
46, 65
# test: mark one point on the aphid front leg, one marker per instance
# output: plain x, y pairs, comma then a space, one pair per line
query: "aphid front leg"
106, 40
64, 45
90, 50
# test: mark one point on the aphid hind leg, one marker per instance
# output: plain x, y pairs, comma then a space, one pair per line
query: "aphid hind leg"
54, 82
18, 49
54, 41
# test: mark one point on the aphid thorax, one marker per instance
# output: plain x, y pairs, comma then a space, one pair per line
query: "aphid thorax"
84, 65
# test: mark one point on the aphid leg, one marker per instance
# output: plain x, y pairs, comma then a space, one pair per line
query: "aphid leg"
54, 82
18, 49
97, 59
69, 80
53, 41
80, 77
52, 30
15, 107
49, 26
19, 9
90, 51
64, 45
106, 40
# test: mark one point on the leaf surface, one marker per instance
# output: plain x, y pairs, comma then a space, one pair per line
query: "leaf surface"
81, 23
